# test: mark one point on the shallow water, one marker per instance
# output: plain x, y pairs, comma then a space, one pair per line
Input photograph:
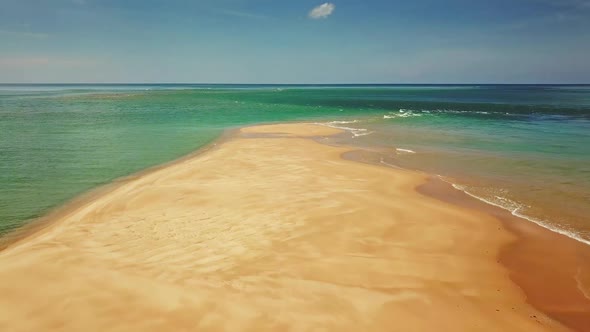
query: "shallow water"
526, 148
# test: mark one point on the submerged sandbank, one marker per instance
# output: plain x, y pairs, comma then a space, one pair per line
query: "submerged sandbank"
268, 231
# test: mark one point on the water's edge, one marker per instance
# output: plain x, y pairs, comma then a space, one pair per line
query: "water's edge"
542, 263
37, 226
456, 184
547, 274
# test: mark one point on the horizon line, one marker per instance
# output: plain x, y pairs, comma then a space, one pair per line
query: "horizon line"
323, 84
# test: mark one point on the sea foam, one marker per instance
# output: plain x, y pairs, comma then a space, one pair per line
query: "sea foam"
514, 208
404, 150
402, 113
406, 113
356, 132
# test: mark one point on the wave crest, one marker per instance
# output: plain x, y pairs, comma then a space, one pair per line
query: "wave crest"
402, 113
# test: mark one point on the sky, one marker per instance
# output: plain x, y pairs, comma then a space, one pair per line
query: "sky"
295, 41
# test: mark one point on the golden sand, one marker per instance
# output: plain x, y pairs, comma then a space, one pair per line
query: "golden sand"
270, 231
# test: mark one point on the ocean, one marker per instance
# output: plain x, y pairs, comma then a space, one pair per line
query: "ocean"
525, 148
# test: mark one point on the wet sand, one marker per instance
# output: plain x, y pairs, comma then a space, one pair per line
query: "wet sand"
269, 231
553, 270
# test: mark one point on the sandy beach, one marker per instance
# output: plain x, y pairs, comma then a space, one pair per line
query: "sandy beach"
268, 231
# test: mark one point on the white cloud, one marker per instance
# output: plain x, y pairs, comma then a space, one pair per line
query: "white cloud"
322, 11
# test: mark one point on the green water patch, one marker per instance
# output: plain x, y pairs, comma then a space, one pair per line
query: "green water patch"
59, 141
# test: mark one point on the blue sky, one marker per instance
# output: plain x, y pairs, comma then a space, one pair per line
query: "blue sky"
278, 41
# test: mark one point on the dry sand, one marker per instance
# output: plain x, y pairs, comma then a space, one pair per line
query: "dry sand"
268, 231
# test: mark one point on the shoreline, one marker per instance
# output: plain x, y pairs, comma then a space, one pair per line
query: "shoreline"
507, 253
531, 264
516, 214
355, 132
546, 274
39, 224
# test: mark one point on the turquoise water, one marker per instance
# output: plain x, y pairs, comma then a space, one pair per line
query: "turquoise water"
526, 148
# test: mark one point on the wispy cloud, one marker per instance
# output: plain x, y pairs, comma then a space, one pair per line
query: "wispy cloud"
43, 61
527, 23
322, 11
242, 14
23, 62
581, 4
23, 34
568, 5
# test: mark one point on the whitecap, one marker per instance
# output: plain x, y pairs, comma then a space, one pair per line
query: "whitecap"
402, 113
